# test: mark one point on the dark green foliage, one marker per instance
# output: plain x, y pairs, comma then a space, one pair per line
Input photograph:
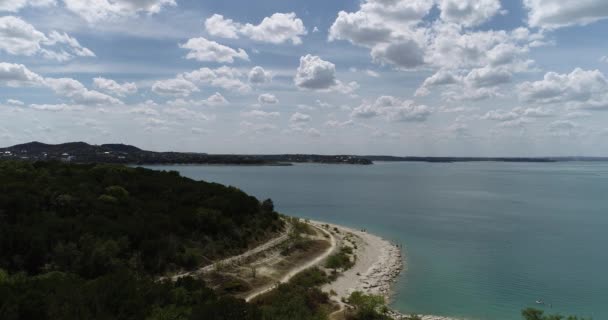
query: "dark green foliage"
120, 295
312, 277
299, 299
91, 219
340, 260
535, 314
367, 307
90, 242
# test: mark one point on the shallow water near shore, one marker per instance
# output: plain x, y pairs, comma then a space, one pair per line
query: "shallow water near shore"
482, 240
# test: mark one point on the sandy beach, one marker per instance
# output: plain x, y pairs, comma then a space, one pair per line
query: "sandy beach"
379, 262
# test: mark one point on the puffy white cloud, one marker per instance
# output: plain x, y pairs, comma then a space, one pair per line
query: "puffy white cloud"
258, 75
16, 5
14, 102
315, 73
441, 78
260, 114
112, 87
487, 77
278, 28
580, 88
174, 87
98, 10
18, 37
218, 26
468, 12
559, 13
202, 49
393, 109
78, 93
300, 118
499, 115
267, 98
404, 54
56, 107
396, 34
222, 77
18, 75
216, 99
339, 124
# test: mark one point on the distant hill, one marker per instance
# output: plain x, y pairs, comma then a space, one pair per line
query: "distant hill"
82, 152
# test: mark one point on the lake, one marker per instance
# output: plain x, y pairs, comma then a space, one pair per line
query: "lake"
482, 240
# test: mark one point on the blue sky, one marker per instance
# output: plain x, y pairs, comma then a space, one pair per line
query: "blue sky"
402, 77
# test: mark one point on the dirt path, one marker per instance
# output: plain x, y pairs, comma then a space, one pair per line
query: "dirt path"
261, 248
301, 267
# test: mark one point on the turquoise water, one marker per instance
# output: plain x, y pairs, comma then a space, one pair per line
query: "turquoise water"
482, 240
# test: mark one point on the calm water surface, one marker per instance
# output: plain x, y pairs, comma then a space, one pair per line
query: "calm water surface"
482, 240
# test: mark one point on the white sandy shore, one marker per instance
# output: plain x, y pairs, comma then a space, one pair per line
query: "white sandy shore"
378, 264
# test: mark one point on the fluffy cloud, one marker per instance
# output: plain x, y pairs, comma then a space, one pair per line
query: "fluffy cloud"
258, 75
580, 88
393, 109
300, 118
218, 26
216, 99
114, 88
222, 77
78, 93
315, 73
213, 100
18, 37
405, 54
267, 98
56, 107
260, 114
16, 5
339, 124
487, 77
468, 12
98, 10
14, 102
174, 87
559, 13
202, 49
17, 75
278, 28
396, 34
499, 115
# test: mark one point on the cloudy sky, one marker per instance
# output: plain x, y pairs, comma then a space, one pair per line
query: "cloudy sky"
401, 77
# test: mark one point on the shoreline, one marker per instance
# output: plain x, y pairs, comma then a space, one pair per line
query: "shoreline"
378, 264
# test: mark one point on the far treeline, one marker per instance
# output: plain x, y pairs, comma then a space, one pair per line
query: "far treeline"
94, 241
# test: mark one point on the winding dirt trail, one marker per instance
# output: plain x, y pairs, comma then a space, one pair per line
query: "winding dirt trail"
300, 268
261, 248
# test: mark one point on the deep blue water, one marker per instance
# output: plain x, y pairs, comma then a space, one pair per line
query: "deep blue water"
482, 240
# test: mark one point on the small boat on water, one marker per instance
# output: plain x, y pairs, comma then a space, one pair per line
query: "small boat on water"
540, 302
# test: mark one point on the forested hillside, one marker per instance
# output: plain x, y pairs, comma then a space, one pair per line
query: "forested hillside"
90, 241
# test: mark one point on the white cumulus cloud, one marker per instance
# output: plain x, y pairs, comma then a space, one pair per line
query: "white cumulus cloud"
202, 49
267, 98
276, 29
112, 87
560, 13
17, 37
